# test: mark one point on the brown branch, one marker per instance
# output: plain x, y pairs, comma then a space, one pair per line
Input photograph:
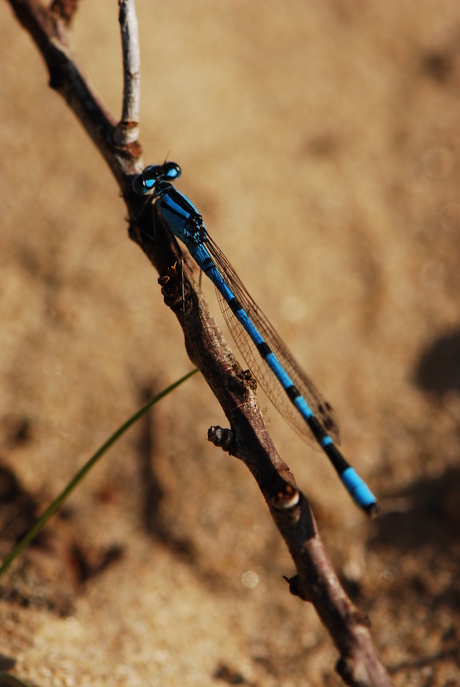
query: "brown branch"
316, 581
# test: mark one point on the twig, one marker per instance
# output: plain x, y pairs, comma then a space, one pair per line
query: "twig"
127, 130
316, 581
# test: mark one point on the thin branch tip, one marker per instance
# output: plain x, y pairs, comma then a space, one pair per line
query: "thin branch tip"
129, 28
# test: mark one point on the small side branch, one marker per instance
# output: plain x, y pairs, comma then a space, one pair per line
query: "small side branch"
49, 31
128, 129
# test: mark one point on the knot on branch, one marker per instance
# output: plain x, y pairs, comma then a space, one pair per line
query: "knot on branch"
286, 498
357, 617
175, 290
294, 587
222, 438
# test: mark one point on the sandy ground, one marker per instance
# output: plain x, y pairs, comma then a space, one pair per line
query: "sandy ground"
320, 141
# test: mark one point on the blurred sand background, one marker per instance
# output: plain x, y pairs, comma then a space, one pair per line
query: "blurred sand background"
320, 141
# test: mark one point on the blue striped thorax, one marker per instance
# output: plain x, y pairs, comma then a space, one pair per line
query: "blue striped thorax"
177, 211
180, 214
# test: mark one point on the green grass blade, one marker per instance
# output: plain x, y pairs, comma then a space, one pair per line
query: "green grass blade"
63, 496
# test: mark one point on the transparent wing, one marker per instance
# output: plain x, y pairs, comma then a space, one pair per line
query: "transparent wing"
259, 367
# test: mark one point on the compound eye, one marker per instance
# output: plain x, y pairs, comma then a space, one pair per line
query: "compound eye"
139, 185
171, 170
144, 182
